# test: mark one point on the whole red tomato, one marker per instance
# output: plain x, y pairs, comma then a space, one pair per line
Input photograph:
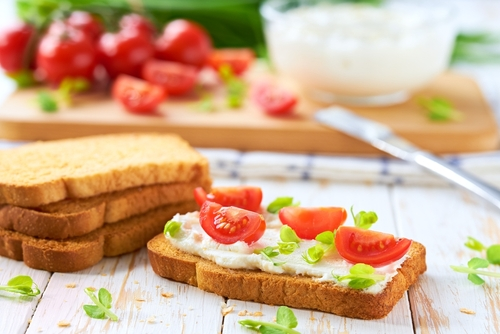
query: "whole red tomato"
124, 52
14, 45
85, 22
184, 42
66, 53
137, 22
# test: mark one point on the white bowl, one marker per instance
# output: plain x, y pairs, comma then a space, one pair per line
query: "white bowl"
359, 54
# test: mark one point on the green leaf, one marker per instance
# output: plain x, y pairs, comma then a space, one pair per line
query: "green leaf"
361, 283
287, 234
264, 329
47, 102
493, 254
287, 248
22, 285
474, 278
285, 317
362, 269
269, 251
364, 219
105, 297
172, 228
23, 78
440, 109
327, 238
474, 244
21, 280
314, 254
477, 262
280, 203
94, 311
70, 86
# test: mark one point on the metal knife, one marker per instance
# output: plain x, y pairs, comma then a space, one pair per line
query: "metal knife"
382, 137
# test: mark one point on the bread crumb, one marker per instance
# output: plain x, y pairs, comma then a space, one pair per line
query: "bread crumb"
257, 314
40, 329
151, 319
103, 274
227, 310
63, 323
467, 311
71, 285
140, 300
243, 313
136, 282
167, 294
312, 318
29, 321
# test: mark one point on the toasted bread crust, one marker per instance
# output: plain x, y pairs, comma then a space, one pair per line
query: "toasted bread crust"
292, 291
45, 172
76, 217
78, 253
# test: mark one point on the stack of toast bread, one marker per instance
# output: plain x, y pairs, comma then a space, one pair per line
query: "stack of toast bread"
65, 204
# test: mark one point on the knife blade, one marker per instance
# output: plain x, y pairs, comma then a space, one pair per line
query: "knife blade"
384, 139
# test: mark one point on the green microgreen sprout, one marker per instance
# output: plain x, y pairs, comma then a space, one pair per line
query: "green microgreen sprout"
172, 228
360, 276
472, 270
364, 219
315, 253
280, 203
236, 88
288, 244
22, 285
23, 78
285, 323
47, 102
102, 306
440, 109
492, 252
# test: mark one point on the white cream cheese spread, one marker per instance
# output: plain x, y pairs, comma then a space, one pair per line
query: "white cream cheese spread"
192, 239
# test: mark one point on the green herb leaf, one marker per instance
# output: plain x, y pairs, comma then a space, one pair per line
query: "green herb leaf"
474, 278
269, 253
103, 304
23, 78
172, 227
236, 88
493, 254
477, 262
440, 109
287, 248
285, 323
364, 219
280, 203
22, 285
362, 269
70, 86
285, 317
47, 102
287, 234
327, 237
361, 283
361, 276
474, 244
314, 254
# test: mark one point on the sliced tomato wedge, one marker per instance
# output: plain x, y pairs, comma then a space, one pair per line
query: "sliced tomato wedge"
175, 78
229, 224
137, 95
309, 222
244, 197
238, 59
274, 100
357, 245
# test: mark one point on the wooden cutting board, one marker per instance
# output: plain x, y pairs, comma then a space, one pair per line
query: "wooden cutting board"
248, 128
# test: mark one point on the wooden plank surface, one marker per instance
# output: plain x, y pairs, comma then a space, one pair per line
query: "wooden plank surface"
249, 129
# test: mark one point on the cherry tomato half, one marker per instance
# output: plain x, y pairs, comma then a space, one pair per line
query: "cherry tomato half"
124, 52
229, 224
67, 52
357, 245
274, 100
14, 44
137, 22
238, 59
184, 42
245, 197
175, 78
137, 95
309, 222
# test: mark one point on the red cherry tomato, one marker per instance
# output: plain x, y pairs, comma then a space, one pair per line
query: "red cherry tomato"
124, 52
137, 95
184, 42
66, 53
14, 44
228, 225
85, 22
309, 222
175, 78
238, 59
245, 197
357, 245
274, 100
139, 23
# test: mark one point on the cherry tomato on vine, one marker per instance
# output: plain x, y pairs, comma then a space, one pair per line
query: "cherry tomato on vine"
309, 222
357, 245
14, 45
66, 53
245, 197
137, 95
85, 22
139, 23
229, 224
124, 52
274, 100
175, 78
185, 42
239, 60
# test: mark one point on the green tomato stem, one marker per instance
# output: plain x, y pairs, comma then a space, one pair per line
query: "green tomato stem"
96, 301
